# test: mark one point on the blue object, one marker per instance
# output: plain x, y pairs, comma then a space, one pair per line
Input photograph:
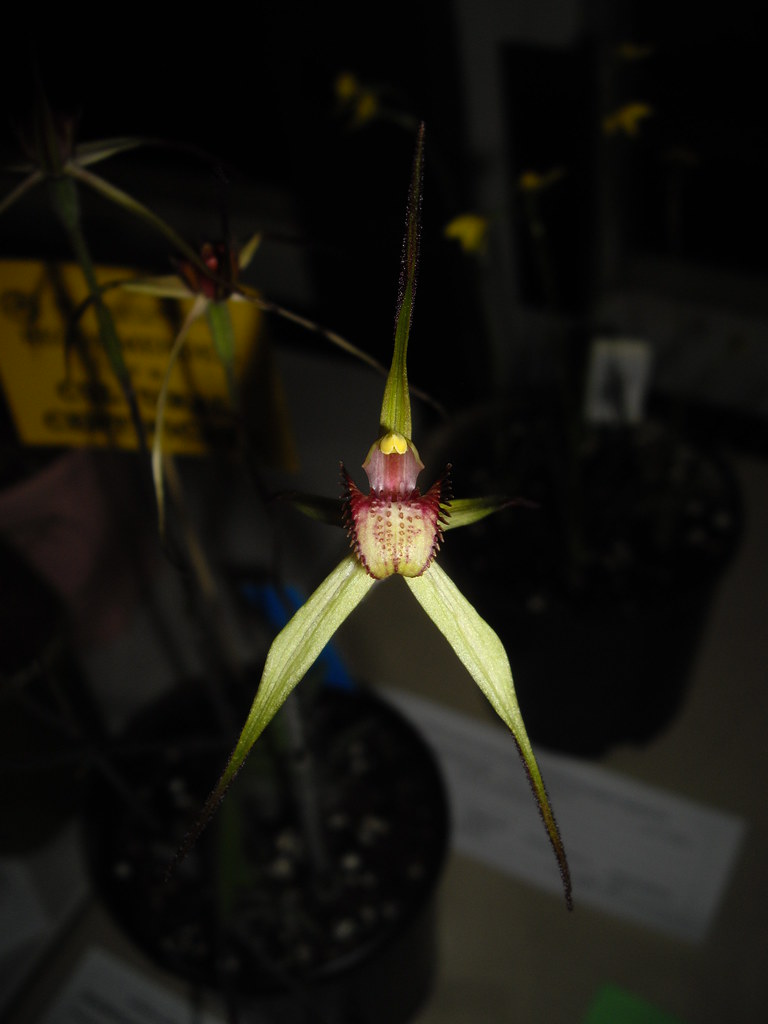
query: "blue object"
278, 606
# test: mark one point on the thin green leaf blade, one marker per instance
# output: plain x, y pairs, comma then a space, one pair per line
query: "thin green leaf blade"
396, 405
293, 652
223, 335
197, 310
482, 654
24, 186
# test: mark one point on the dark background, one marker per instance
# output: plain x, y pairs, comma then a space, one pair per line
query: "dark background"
255, 88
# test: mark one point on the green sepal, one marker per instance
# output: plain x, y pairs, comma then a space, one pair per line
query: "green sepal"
137, 209
164, 286
293, 652
396, 405
465, 511
483, 655
86, 153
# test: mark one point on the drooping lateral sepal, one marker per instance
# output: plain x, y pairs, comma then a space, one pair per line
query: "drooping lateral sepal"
482, 654
293, 652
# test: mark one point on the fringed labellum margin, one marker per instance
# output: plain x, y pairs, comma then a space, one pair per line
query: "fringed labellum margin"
395, 529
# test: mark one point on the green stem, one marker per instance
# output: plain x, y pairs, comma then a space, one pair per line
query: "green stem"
66, 205
223, 335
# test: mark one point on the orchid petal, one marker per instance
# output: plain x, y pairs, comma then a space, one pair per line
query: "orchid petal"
465, 511
293, 652
396, 405
247, 252
86, 153
121, 198
165, 286
484, 657
197, 310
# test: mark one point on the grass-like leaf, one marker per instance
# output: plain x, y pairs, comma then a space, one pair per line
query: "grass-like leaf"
197, 310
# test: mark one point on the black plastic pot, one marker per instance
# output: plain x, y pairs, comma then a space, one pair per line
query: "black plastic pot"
49, 723
254, 912
601, 588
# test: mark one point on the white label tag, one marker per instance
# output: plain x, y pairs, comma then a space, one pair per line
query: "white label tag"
617, 381
104, 988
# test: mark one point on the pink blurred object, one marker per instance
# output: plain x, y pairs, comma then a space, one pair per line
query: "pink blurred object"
66, 521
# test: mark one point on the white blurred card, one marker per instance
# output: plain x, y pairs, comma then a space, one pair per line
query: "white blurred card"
105, 988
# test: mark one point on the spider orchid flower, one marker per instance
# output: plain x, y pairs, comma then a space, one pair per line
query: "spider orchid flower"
394, 530
211, 281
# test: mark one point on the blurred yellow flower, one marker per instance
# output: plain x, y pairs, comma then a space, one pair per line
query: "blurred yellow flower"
626, 119
346, 86
532, 181
362, 101
470, 230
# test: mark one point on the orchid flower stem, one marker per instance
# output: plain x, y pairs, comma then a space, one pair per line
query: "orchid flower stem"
217, 629
198, 307
66, 205
303, 775
223, 335
540, 242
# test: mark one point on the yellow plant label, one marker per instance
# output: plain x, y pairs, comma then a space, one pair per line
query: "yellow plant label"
61, 389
